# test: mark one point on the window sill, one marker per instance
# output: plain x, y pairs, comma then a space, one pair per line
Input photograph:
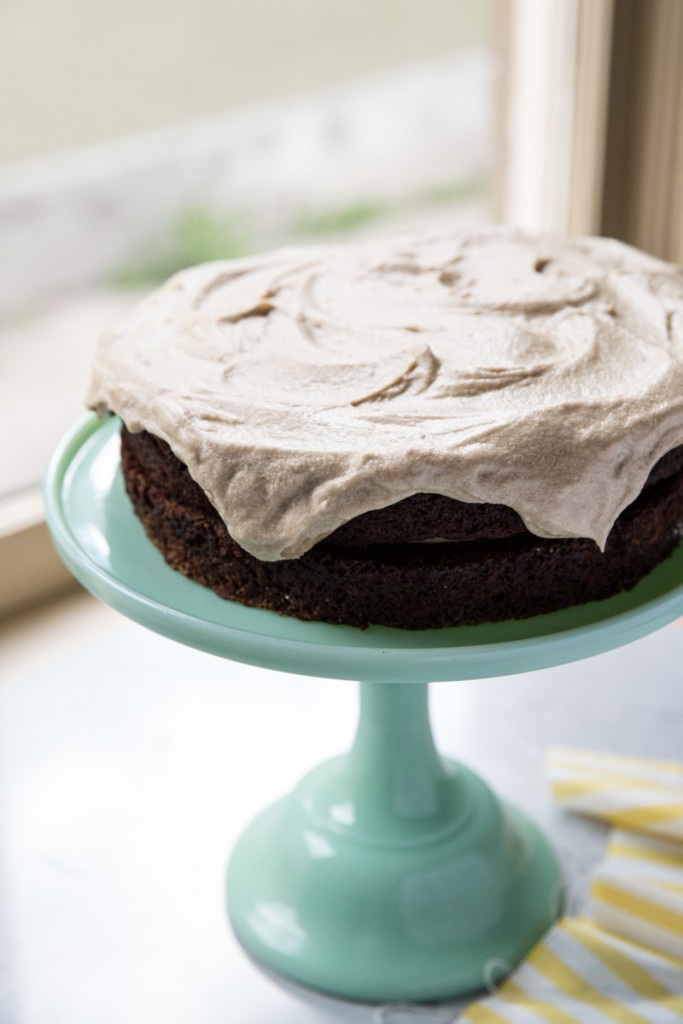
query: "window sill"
32, 572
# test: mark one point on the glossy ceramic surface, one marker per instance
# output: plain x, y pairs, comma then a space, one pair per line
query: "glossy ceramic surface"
391, 873
104, 545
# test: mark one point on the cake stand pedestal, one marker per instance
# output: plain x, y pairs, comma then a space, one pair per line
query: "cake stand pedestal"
389, 874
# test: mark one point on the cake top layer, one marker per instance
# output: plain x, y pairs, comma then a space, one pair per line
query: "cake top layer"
304, 387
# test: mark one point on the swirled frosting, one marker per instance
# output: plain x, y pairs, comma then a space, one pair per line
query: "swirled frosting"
307, 386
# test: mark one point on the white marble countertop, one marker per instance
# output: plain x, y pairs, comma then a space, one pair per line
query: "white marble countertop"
129, 767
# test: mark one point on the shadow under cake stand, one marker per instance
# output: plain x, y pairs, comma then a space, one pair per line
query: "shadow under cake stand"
390, 873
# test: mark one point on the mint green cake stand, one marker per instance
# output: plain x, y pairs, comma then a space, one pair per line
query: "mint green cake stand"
390, 873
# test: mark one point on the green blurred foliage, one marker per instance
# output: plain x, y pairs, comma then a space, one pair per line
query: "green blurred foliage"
195, 236
199, 235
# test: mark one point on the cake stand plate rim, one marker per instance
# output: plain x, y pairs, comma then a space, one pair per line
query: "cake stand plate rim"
86, 532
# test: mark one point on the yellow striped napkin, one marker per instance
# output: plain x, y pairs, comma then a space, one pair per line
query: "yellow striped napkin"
637, 891
634, 793
581, 974
623, 963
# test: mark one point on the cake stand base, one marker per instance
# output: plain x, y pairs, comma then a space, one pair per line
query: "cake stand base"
392, 874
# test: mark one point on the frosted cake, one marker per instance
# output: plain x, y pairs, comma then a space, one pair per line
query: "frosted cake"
417, 432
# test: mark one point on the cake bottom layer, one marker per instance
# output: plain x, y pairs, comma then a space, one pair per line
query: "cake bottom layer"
410, 586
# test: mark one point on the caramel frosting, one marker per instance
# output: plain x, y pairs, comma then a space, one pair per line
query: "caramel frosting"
307, 386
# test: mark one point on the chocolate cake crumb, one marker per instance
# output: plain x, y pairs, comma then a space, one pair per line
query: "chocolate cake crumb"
373, 570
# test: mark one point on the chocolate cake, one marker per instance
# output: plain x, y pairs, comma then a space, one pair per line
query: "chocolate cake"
419, 433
